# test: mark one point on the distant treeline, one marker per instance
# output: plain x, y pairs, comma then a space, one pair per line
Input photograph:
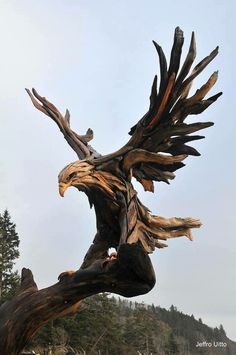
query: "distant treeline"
106, 325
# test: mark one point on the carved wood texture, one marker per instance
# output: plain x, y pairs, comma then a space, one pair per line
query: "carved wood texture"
156, 149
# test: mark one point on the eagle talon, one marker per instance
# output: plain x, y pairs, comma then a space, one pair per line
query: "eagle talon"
112, 256
66, 274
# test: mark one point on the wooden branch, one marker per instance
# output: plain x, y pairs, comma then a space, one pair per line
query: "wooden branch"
188, 62
79, 143
163, 66
163, 102
137, 156
176, 52
185, 87
129, 275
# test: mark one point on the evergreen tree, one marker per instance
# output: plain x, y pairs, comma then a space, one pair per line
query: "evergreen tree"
105, 325
222, 331
9, 252
172, 347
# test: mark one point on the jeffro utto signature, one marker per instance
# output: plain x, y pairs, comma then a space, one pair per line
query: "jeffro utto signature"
215, 344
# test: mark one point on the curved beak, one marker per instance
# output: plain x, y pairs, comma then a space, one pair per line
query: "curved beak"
62, 188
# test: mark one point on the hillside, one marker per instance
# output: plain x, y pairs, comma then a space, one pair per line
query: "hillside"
107, 325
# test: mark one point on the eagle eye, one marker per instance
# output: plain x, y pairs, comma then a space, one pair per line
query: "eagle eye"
71, 176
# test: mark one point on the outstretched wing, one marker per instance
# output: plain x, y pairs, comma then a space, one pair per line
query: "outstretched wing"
159, 141
79, 143
158, 146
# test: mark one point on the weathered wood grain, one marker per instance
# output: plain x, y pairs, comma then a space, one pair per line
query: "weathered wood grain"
155, 150
130, 274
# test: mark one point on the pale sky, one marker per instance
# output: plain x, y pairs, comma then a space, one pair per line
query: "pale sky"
96, 58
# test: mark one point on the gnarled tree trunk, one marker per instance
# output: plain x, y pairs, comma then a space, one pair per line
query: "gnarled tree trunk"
130, 274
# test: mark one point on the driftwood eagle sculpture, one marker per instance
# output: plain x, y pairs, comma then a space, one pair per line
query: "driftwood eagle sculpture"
156, 149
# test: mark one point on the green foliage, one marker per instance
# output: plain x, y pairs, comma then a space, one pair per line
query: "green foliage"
106, 325
9, 252
171, 347
95, 327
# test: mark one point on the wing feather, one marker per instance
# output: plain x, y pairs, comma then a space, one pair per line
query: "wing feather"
163, 128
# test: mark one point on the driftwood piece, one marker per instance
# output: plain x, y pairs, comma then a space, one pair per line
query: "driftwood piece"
130, 274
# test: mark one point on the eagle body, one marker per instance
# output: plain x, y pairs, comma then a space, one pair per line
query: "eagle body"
158, 145
121, 217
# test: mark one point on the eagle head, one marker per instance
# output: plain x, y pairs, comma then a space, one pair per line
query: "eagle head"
76, 174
